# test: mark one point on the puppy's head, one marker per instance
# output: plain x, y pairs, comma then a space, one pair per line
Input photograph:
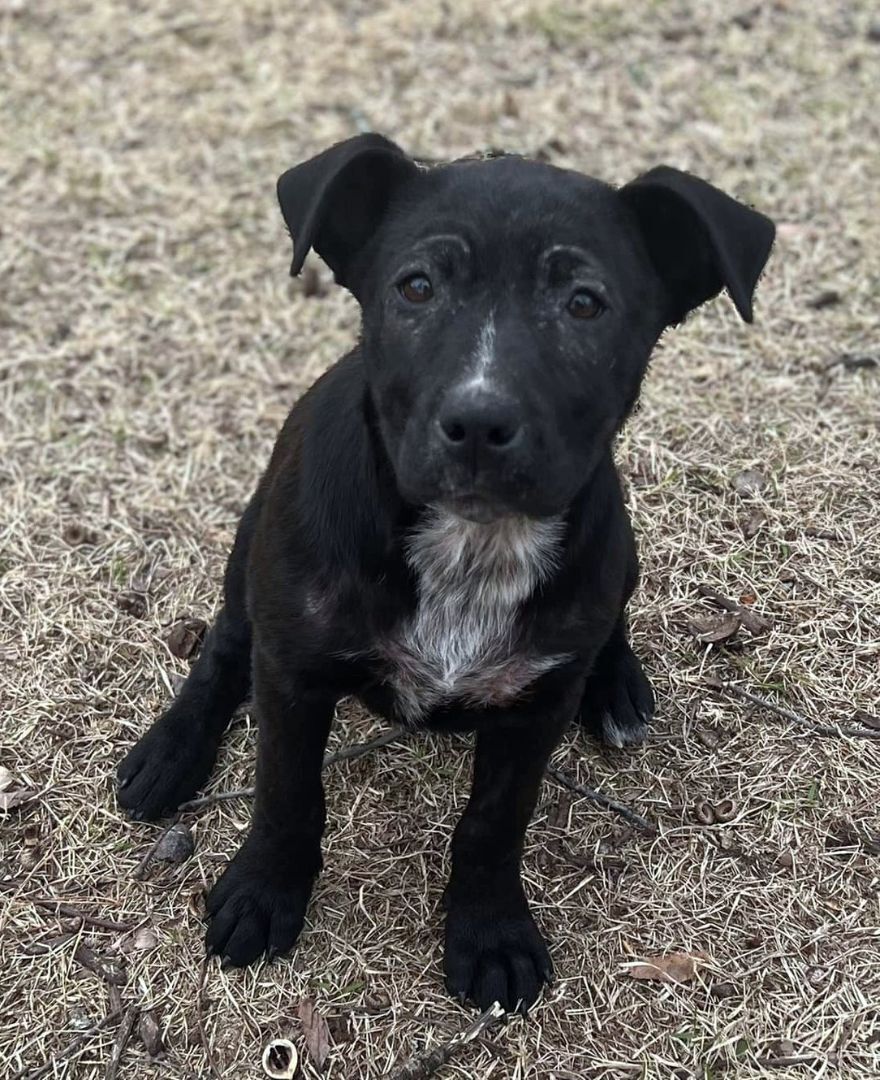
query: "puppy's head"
510, 307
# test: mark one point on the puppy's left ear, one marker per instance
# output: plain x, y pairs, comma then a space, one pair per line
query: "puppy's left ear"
335, 201
699, 239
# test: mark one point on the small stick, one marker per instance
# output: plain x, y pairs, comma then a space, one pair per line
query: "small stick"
62, 908
102, 968
602, 800
200, 1020
788, 714
68, 1051
793, 1059
205, 801
757, 624
347, 753
41, 948
123, 1034
425, 1067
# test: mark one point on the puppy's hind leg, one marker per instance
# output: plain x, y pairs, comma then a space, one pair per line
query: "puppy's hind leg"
175, 757
618, 701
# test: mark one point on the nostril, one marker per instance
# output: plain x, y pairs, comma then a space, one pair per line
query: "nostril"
501, 435
454, 431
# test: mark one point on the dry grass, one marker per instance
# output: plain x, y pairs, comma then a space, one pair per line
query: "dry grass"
151, 345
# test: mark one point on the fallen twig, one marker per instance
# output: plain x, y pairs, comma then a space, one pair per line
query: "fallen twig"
41, 948
789, 714
200, 1020
347, 753
791, 1059
141, 39
754, 623
424, 1067
123, 1034
602, 800
104, 969
68, 1051
71, 912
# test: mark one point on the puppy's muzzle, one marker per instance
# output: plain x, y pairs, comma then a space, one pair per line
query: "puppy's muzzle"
480, 428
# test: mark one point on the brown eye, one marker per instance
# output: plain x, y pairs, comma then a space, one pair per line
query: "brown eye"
584, 305
417, 289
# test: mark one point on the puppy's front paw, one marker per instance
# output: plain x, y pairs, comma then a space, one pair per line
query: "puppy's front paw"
165, 767
258, 906
618, 700
495, 955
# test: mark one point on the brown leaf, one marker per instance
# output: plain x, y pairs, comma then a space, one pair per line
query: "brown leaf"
824, 299
316, 1032
9, 800
783, 1048
176, 845
709, 737
132, 603
103, 968
75, 533
185, 637
752, 524
676, 967
145, 939
867, 719
6, 778
340, 1028
845, 834
749, 482
150, 1033
715, 628
754, 623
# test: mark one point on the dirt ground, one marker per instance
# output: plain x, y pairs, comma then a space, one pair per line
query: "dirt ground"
152, 343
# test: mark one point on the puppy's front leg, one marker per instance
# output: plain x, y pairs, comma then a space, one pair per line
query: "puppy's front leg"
494, 950
259, 903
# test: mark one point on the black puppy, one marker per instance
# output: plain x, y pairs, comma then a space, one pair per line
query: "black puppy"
440, 530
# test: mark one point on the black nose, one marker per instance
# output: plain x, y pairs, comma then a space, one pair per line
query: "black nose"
476, 420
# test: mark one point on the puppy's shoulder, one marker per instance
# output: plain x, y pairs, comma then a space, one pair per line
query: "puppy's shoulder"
324, 492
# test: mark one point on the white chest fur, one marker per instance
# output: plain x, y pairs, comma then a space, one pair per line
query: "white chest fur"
461, 644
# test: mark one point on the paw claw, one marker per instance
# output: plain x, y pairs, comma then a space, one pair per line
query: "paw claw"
165, 767
499, 953
618, 700
257, 908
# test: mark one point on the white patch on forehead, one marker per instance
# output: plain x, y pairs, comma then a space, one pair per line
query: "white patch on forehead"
461, 642
484, 354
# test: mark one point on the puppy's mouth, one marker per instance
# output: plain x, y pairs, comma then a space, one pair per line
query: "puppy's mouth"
476, 508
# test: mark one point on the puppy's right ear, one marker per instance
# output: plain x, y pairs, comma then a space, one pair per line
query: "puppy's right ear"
699, 239
334, 202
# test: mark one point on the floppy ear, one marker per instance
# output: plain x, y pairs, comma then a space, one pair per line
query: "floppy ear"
334, 201
699, 239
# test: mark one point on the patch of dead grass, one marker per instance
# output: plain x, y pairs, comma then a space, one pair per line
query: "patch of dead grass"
152, 344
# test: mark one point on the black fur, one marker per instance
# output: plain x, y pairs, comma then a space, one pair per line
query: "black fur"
318, 574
